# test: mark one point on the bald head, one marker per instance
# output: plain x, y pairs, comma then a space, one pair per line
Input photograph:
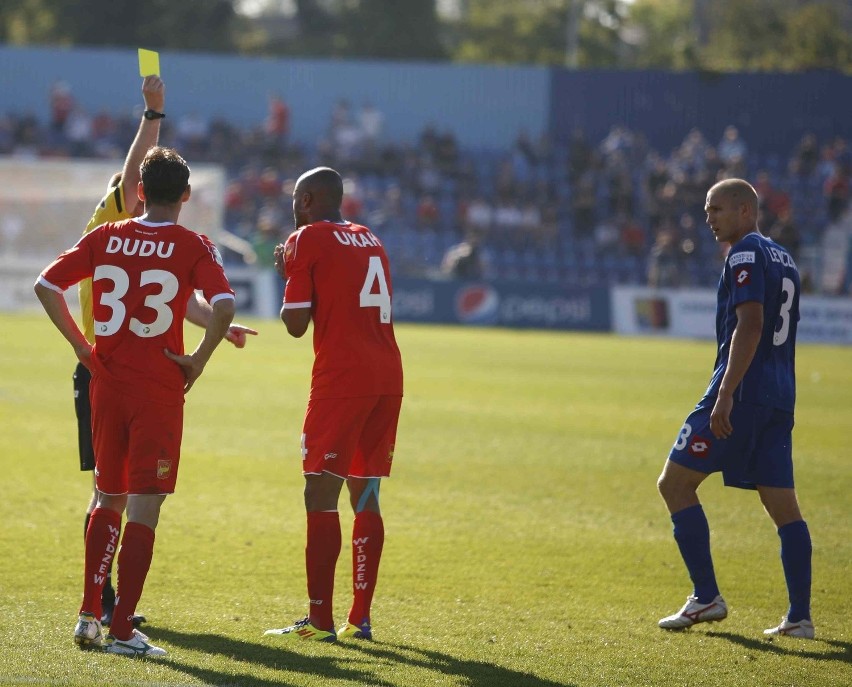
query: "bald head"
317, 196
731, 209
736, 191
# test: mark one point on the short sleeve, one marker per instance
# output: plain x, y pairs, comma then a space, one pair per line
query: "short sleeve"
747, 274
72, 266
298, 265
209, 275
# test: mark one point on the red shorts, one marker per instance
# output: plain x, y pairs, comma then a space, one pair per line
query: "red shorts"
137, 443
350, 437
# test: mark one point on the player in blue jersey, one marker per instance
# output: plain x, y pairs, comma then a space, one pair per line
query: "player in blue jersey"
742, 427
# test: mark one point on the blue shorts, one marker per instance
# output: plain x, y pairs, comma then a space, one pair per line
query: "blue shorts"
758, 452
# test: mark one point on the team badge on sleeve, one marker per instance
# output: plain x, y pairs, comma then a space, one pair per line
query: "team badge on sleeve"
741, 257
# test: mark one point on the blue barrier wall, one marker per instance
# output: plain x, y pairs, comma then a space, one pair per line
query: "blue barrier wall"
506, 304
483, 106
772, 111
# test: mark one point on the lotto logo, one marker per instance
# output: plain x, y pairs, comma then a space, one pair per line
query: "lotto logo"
699, 447
743, 277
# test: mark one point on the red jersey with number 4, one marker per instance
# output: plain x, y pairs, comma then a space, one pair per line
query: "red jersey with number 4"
142, 277
340, 270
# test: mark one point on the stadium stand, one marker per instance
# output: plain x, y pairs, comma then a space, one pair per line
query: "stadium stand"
585, 213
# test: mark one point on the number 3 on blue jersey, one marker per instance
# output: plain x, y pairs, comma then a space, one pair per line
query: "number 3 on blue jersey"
788, 288
380, 300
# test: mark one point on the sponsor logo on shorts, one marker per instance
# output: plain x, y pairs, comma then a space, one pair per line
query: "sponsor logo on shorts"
745, 256
743, 277
164, 469
330, 456
700, 447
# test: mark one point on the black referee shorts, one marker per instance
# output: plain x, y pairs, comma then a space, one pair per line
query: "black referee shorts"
82, 377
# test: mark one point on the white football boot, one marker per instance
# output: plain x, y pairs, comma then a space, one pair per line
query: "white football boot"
88, 633
803, 629
693, 613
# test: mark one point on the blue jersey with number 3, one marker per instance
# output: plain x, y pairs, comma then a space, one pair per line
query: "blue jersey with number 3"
758, 269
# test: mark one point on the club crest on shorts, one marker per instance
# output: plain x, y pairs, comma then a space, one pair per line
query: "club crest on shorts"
390, 453
700, 447
164, 469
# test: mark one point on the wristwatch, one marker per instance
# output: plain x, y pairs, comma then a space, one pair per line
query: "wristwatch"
153, 114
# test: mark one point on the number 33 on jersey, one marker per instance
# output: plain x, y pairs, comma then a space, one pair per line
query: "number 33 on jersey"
341, 272
143, 274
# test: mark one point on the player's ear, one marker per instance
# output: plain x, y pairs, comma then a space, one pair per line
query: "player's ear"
187, 193
140, 191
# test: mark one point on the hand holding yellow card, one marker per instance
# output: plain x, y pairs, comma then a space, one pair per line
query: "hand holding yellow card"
149, 62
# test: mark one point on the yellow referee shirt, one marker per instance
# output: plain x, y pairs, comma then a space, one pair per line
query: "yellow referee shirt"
110, 209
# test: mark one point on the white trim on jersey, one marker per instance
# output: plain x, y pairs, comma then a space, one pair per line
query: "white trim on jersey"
221, 296
148, 223
290, 306
53, 287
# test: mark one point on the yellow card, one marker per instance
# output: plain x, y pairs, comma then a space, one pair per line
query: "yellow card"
149, 62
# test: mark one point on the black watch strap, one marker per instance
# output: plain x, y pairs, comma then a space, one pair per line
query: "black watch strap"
153, 114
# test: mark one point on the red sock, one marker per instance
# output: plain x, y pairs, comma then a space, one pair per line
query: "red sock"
321, 554
368, 537
134, 559
101, 544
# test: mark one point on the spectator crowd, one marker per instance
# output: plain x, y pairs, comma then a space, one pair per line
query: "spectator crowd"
580, 213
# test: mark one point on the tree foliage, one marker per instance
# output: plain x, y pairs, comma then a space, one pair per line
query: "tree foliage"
724, 35
188, 24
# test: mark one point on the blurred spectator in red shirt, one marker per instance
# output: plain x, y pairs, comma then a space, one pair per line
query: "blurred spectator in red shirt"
427, 212
773, 201
277, 124
61, 105
632, 235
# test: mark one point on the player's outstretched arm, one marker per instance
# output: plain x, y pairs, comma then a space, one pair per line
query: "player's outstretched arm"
198, 311
154, 95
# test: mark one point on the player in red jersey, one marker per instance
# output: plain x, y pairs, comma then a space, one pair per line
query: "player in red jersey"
338, 276
120, 203
143, 272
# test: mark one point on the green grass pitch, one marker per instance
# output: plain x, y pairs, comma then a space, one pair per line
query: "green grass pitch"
526, 543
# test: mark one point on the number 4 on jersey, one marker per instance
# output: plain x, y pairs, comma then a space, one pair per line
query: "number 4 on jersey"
380, 300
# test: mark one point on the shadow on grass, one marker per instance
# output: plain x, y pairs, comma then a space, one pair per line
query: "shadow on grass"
476, 673
245, 657
839, 651
279, 656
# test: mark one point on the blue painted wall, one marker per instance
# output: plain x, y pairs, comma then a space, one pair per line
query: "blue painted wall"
772, 111
483, 106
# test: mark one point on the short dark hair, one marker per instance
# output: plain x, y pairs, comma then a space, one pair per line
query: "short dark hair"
165, 176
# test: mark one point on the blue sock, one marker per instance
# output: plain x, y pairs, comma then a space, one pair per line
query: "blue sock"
692, 534
796, 559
